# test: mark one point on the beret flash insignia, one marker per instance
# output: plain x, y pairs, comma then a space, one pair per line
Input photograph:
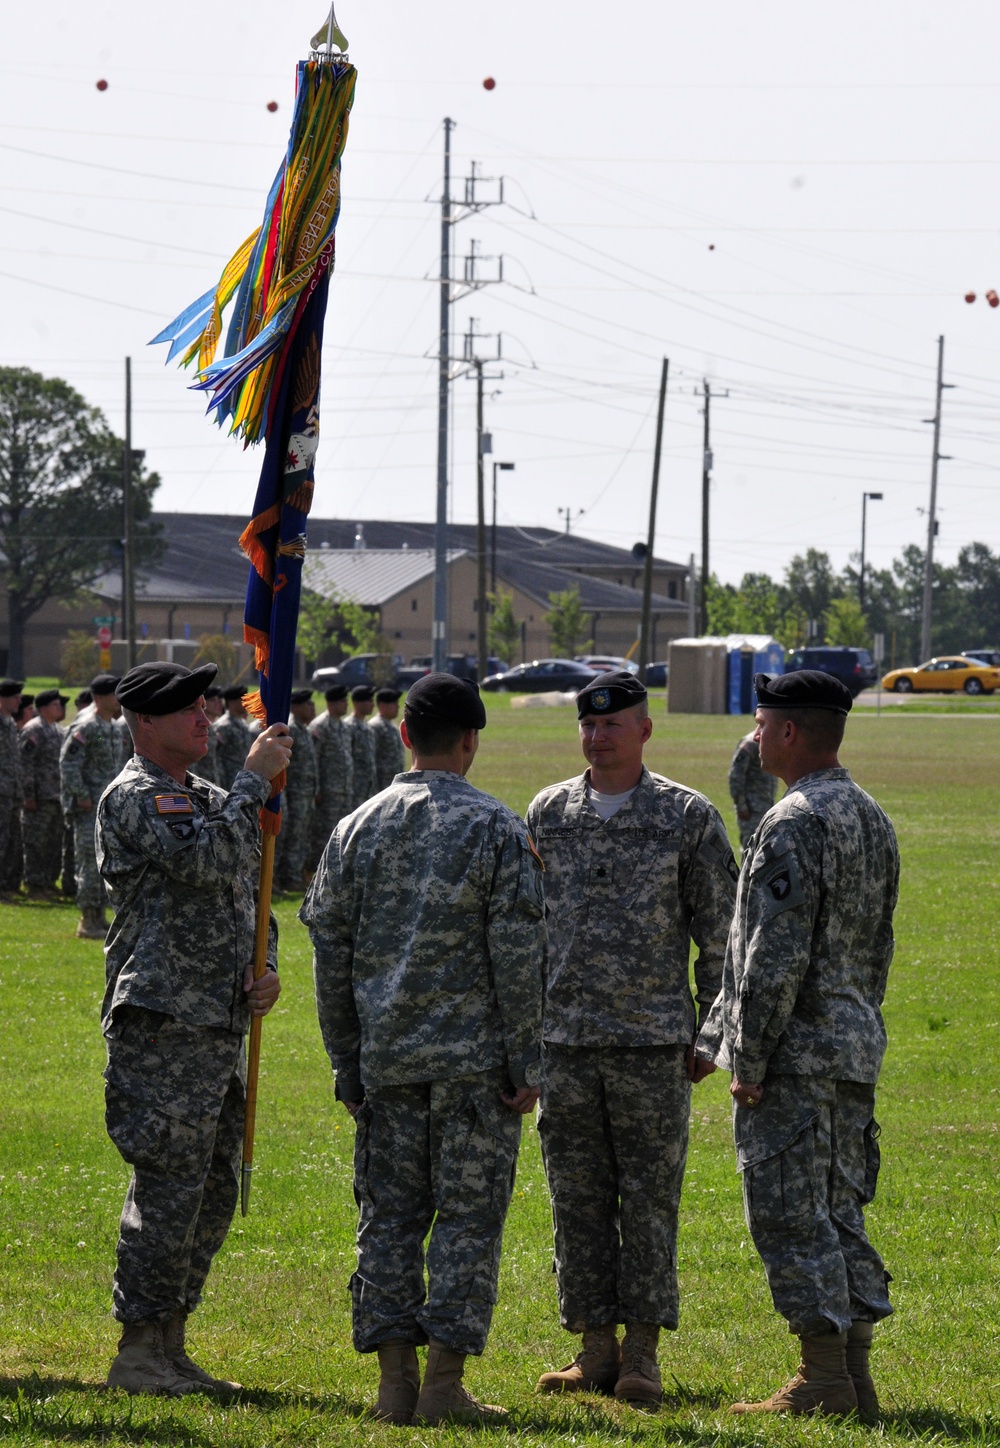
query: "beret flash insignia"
600, 699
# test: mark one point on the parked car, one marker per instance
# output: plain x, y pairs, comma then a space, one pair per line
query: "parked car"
853, 667
945, 675
985, 656
368, 669
463, 666
540, 676
606, 661
657, 675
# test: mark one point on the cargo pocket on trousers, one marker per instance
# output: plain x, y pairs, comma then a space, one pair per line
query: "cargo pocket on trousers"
779, 1192
362, 1191
873, 1160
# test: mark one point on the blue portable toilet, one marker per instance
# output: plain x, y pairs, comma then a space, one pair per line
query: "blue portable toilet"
750, 654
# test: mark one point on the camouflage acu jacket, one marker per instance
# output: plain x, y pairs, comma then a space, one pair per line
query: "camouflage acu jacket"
10, 759
752, 790
426, 918
362, 745
303, 776
625, 897
811, 942
390, 752
232, 745
180, 864
92, 754
333, 762
41, 744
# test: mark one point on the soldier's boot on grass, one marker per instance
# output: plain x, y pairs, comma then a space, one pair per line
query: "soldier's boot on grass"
176, 1354
443, 1399
859, 1346
142, 1366
821, 1385
639, 1378
92, 925
399, 1383
593, 1370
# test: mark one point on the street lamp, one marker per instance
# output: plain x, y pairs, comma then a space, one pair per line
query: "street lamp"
504, 468
875, 497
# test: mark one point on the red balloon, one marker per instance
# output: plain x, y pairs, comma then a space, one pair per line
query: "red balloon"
993, 299
489, 83
272, 106
970, 296
102, 85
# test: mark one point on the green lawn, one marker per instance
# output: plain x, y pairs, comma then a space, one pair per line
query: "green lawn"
276, 1315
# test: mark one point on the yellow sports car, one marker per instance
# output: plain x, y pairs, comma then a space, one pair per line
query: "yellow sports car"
945, 676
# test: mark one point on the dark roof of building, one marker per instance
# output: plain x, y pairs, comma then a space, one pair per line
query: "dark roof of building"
596, 594
201, 558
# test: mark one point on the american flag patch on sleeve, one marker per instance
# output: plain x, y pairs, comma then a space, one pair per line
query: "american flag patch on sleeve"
173, 804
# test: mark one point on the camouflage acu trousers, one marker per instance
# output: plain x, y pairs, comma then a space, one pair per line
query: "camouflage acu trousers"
174, 1101
438, 1157
42, 829
748, 826
90, 893
10, 846
809, 1157
293, 840
614, 1133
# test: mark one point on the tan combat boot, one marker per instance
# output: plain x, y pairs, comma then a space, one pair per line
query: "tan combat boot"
443, 1399
593, 1370
399, 1384
184, 1366
859, 1345
90, 926
821, 1385
639, 1379
141, 1365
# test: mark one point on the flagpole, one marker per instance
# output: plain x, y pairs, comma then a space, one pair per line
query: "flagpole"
261, 937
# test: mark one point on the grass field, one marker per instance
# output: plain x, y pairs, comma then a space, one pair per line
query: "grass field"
276, 1315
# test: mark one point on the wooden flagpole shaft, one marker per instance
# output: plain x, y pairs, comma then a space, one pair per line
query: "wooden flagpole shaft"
253, 1054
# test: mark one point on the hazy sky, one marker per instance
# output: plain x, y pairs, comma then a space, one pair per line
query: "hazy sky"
788, 200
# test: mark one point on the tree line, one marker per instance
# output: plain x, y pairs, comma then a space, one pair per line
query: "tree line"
814, 603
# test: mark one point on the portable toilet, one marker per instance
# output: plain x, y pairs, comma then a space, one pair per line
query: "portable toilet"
697, 676
750, 654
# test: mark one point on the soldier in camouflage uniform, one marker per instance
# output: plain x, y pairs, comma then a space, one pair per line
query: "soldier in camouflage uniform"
362, 744
298, 798
799, 1024
335, 769
180, 859
752, 790
426, 918
93, 752
10, 776
390, 752
41, 808
636, 868
208, 768
232, 737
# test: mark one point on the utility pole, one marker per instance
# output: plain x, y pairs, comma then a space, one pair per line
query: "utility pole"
876, 498
706, 478
503, 468
450, 215
938, 456
568, 513
474, 366
128, 528
647, 576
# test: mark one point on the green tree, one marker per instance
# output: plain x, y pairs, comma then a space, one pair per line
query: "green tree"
218, 649
844, 623
977, 576
60, 497
811, 583
503, 633
79, 657
722, 605
337, 622
567, 624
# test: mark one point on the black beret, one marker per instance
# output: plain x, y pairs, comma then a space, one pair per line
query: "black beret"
84, 698
302, 696
162, 688
335, 693
49, 696
27, 699
610, 693
387, 696
362, 692
802, 689
214, 691
10, 688
446, 700
234, 691
103, 684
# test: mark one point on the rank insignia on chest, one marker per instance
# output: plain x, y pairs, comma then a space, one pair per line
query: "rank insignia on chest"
174, 804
